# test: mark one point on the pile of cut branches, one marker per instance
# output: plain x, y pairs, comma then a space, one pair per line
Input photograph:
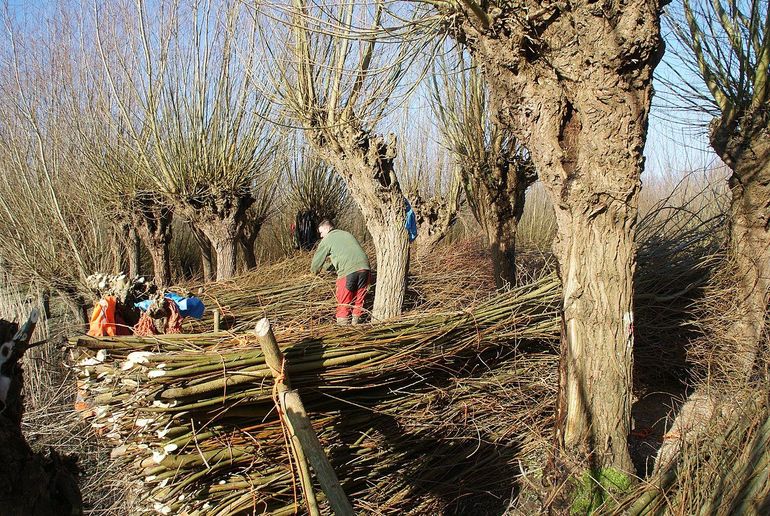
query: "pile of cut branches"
408, 411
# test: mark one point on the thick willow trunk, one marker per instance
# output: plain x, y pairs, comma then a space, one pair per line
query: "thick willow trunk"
501, 237
128, 251
579, 104
249, 255
118, 251
596, 264
161, 262
248, 239
207, 259
750, 247
496, 194
226, 247
152, 219
392, 247
221, 217
134, 253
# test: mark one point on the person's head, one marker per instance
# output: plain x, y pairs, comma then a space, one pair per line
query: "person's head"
324, 227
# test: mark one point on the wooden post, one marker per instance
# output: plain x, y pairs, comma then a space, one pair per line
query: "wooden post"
299, 423
216, 320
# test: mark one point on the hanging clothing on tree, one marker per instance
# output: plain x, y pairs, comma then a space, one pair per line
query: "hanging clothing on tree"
411, 221
306, 230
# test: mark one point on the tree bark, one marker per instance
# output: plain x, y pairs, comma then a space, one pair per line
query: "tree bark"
118, 250
151, 218
220, 216
207, 259
496, 194
434, 217
134, 253
573, 85
596, 264
161, 263
746, 150
249, 256
392, 246
501, 236
226, 248
129, 247
251, 229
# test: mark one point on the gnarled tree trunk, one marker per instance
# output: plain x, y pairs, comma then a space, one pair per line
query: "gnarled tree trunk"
501, 237
251, 229
496, 194
152, 218
747, 153
392, 246
128, 251
434, 217
221, 218
134, 253
573, 84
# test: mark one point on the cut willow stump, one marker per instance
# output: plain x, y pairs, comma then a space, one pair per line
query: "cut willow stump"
304, 439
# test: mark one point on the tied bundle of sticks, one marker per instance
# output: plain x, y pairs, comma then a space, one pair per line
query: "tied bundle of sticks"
193, 415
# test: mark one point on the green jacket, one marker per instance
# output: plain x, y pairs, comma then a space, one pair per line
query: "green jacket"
345, 253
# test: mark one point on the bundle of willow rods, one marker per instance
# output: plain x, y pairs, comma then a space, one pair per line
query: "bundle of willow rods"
192, 415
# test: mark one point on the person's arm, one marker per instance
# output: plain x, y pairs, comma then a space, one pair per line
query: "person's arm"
319, 257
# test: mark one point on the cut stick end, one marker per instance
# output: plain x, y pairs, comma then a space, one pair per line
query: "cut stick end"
262, 328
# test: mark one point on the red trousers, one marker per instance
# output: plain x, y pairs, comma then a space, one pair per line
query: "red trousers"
351, 291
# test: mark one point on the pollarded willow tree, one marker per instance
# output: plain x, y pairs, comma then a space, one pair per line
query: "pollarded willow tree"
120, 184
337, 85
573, 82
210, 142
726, 43
495, 169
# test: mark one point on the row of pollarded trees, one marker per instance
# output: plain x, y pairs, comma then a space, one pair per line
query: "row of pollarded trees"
178, 100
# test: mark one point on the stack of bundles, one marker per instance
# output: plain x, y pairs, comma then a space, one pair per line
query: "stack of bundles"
406, 411
286, 293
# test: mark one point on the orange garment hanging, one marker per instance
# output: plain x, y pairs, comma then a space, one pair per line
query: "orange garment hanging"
105, 321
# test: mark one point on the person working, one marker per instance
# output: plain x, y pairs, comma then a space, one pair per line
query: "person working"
352, 266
